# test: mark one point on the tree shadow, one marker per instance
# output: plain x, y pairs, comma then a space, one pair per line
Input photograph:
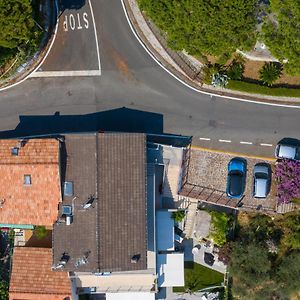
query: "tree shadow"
71, 4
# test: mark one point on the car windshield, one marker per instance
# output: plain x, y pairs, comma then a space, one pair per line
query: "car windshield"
236, 183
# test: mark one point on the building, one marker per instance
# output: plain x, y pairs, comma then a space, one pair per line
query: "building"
30, 189
32, 277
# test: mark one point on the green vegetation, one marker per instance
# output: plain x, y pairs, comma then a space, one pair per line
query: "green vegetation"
205, 27
221, 223
235, 70
265, 258
282, 37
270, 72
178, 216
197, 277
40, 232
3, 290
263, 90
19, 33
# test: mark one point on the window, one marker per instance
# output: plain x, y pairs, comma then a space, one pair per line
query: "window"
27, 179
15, 151
68, 188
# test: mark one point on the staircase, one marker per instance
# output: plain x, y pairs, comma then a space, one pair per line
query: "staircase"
285, 208
190, 219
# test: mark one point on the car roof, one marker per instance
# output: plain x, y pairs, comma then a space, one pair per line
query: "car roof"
287, 151
261, 168
236, 184
236, 164
260, 188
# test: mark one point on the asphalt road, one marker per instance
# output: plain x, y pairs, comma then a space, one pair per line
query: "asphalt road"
130, 77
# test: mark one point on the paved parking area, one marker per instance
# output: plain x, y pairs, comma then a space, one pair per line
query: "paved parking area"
209, 169
75, 51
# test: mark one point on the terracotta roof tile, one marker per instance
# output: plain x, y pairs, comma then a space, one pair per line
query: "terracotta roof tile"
37, 203
32, 277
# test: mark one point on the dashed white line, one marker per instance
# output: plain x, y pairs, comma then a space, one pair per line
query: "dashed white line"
224, 141
246, 143
266, 145
204, 139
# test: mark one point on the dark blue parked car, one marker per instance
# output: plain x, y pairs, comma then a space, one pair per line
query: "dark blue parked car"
236, 178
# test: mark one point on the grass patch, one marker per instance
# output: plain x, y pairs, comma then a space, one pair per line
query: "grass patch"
197, 277
263, 90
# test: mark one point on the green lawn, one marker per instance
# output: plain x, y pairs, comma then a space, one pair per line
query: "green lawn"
197, 277
263, 90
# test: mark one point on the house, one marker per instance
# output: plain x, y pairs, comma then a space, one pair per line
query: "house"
32, 277
108, 234
30, 189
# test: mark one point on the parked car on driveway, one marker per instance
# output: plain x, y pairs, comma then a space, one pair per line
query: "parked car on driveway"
287, 148
261, 180
237, 168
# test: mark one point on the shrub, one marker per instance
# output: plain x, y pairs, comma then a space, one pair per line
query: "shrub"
220, 226
3, 290
287, 174
40, 232
270, 72
178, 216
235, 70
209, 71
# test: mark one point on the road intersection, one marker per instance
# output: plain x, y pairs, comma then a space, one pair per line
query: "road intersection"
111, 70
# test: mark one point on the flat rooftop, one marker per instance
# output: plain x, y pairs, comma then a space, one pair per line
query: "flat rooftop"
108, 170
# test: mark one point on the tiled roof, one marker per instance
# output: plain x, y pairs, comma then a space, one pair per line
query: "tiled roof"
111, 167
37, 203
32, 277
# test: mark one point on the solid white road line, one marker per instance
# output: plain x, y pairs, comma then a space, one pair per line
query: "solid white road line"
204, 139
96, 37
246, 143
266, 145
66, 73
225, 141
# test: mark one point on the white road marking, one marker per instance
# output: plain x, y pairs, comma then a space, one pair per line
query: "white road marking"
246, 143
225, 141
266, 145
191, 87
204, 139
66, 73
96, 37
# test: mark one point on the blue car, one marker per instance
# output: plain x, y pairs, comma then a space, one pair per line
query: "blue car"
236, 178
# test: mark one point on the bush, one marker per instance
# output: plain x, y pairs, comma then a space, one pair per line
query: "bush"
40, 232
287, 174
3, 290
220, 226
235, 70
178, 216
270, 72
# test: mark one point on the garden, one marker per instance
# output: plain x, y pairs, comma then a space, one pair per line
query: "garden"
223, 34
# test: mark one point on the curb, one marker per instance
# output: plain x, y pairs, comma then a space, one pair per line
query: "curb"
30, 72
271, 159
157, 57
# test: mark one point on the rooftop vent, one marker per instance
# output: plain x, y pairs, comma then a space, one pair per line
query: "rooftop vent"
67, 210
62, 262
135, 258
27, 179
89, 202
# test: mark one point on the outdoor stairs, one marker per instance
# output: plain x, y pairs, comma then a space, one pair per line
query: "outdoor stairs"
190, 219
285, 208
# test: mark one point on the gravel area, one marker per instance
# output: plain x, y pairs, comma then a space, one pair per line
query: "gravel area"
209, 169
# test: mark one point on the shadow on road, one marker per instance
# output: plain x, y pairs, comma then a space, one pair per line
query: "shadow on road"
71, 4
120, 119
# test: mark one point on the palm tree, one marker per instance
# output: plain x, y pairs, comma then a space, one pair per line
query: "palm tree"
270, 72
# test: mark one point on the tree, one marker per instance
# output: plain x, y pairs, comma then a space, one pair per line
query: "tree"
269, 73
40, 232
16, 23
3, 290
235, 70
204, 27
282, 34
178, 216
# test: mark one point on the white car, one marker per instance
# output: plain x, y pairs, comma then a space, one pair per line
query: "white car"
287, 151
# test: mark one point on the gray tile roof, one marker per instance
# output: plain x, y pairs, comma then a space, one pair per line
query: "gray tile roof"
110, 167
